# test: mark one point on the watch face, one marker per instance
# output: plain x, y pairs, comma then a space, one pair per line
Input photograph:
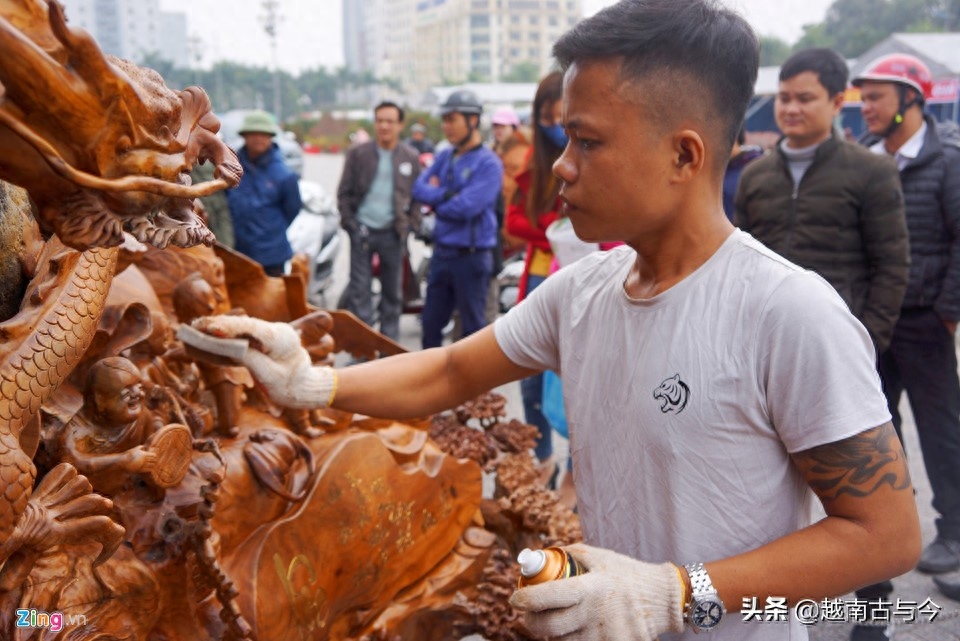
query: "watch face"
707, 614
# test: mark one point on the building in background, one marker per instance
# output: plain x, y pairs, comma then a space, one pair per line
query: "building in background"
424, 43
132, 29
354, 39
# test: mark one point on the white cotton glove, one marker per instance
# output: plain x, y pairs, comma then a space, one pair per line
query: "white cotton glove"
617, 599
281, 364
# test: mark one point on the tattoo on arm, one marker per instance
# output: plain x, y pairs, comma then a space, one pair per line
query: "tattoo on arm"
857, 466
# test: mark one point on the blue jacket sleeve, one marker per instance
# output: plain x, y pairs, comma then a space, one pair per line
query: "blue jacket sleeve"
478, 195
426, 193
290, 198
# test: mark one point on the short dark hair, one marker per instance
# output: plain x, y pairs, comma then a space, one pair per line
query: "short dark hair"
383, 104
689, 54
829, 66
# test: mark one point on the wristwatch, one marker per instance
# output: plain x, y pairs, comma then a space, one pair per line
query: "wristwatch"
705, 609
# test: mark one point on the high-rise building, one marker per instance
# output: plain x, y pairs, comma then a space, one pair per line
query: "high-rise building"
132, 29
423, 43
354, 55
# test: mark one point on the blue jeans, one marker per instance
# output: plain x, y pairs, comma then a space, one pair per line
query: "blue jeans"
531, 391
455, 282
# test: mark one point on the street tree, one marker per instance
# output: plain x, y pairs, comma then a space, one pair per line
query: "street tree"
853, 26
773, 51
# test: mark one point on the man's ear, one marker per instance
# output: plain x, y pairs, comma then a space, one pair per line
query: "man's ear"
689, 155
837, 102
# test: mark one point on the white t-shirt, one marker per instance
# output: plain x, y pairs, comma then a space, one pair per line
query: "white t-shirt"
683, 408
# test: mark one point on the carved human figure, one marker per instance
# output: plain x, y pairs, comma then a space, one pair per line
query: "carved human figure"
106, 439
163, 362
193, 298
169, 373
218, 281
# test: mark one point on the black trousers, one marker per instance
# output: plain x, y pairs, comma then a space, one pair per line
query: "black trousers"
922, 361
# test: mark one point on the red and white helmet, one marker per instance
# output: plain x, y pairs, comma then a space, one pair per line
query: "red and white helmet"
899, 68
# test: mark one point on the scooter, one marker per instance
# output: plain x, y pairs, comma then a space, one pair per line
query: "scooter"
315, 232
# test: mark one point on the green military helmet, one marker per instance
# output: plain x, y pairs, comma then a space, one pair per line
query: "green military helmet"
258, 122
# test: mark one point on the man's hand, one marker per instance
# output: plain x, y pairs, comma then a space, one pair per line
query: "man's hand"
277, 360
618, 598
951, 326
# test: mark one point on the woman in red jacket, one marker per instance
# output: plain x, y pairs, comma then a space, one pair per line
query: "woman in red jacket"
535, 205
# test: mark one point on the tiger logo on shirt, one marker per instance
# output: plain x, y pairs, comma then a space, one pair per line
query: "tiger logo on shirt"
672, 394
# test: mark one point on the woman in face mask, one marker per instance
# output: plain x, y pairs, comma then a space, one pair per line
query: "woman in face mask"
536, 204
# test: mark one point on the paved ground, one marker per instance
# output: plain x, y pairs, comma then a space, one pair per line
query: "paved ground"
911, 588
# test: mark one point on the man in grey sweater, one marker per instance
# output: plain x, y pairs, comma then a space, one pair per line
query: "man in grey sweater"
374, 202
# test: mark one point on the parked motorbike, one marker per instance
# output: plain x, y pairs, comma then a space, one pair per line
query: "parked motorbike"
315, 232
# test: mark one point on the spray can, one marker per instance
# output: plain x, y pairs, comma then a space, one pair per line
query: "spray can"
540, 566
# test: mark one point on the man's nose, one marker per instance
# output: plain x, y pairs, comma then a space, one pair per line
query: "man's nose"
564, 168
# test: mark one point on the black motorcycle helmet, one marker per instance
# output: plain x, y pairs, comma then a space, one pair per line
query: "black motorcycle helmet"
462, 101
465, 102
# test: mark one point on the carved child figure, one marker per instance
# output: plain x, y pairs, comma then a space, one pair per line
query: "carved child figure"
165, 364
105, 440
193, 298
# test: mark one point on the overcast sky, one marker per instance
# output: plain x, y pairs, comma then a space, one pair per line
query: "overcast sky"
310, 31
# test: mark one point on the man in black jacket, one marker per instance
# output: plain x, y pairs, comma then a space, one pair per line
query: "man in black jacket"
826, 204
374, 202
922, 357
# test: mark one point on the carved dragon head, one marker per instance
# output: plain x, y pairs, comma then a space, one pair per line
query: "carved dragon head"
101, 145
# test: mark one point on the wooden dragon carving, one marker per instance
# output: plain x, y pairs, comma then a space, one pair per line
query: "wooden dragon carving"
355, 529
101, 145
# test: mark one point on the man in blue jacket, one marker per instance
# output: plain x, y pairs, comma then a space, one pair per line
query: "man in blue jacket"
267, 199
462, 188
